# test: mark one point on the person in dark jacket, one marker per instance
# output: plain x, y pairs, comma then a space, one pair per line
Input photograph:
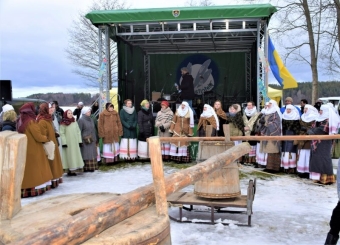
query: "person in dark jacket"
128, 143
186, 87
59, 112
9, 118
77, 111
146, 128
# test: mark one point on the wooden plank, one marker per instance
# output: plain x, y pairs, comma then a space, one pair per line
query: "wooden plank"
91, 222
12, 174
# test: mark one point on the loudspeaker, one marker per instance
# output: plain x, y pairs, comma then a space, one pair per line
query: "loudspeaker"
6, 90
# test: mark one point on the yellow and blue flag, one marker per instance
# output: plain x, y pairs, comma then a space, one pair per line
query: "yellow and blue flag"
279, 70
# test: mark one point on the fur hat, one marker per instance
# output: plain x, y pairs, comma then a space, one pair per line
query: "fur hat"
289, 99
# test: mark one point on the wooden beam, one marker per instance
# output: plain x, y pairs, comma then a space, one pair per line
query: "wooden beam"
82, 226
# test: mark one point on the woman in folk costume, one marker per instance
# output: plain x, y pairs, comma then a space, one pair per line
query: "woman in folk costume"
235, 120
89, 140
128, 143
320, 166
304, 146
44, 119
70, 141
182, 126
271, 126
208, 117
146, 128
37, 168
261, 157
221, 115
163, 122
109, 129
250, 118
290, 126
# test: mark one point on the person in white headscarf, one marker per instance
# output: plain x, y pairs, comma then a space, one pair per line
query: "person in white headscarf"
310, 114
208, 117
261, 157
321, 167
271, 126
89, 140
290, 126
250, 117
181, 126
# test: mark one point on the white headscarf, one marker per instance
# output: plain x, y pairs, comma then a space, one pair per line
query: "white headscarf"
333, 118
273, 108
85, 110
182, 112
250, 113
332, 106
311, 115
293, 115
209, 112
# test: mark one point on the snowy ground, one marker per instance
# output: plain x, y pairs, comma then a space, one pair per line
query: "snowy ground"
287, 210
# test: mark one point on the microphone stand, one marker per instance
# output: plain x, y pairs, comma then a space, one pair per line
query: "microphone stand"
164, 84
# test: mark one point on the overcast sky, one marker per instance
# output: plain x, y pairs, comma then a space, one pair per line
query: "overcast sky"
34, 35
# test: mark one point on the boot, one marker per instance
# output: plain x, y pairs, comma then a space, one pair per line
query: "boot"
331, 239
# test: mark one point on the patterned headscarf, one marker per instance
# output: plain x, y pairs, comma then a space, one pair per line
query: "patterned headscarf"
27, 114
44, 112
67, 121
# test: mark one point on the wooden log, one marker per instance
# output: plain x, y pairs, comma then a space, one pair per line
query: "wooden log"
12, 174
226, 131
158, 175
92, 221
3, 138
208, 130
255, 138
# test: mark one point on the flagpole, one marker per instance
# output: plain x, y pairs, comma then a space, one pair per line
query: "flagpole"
266, 55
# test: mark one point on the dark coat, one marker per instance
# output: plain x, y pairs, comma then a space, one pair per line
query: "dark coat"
77, 113
129, 122
145, 124
8, 125
187, 87
290, 127
87, 127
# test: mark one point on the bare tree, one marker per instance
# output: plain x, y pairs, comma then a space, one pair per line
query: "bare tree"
83, 48
294, 20
193, 3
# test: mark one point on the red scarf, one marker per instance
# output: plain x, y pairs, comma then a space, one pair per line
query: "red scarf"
44, 113
66, 121
27, 114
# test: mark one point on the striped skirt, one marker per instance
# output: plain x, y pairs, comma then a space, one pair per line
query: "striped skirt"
143, 149
180, 154
303, 162
128, 149
261, 158
111, 152
288, 160
165, 151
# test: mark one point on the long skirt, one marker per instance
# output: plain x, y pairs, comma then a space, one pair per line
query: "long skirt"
288, 160
303, 162
261, 158
322, 178
180, 154
90, 165
143, 149
251, 156
36, 191
273, 161
111, 152
165, 151
128, 149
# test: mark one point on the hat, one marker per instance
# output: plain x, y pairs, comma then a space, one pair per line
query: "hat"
165, 102
80, 103
7, 107
85, 110
144, 102
289, 99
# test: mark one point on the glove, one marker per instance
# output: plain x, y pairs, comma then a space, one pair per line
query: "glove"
64, 146
171, 134
57, 135
162, 129
80, 144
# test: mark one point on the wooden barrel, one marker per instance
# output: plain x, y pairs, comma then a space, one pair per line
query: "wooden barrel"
146, 227
207, 149
220, 184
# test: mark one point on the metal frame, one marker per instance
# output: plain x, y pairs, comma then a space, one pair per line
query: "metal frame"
147, 76
248, 76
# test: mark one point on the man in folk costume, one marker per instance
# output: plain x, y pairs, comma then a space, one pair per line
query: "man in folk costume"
182, 126
310, 114
271, 126
128, 143
261, 157
221, 115
250, 117
208, 117
320, 166
110, 129
290, 126
163, 123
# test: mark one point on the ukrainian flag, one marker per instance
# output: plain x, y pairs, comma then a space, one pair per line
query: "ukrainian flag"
279, 70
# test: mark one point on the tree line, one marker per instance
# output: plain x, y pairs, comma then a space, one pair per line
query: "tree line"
67, 99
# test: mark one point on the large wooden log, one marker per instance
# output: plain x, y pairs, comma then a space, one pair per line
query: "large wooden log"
12, 167
91, 222
250, 138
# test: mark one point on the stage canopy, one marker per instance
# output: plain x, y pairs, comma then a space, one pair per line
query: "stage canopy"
218, 43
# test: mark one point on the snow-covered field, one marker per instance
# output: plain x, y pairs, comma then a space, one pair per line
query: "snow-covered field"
287, 210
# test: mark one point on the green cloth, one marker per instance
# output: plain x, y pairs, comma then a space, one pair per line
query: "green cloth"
185, 13
71, 156
129, 122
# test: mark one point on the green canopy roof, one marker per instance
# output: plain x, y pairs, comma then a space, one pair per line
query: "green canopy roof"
181, 14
